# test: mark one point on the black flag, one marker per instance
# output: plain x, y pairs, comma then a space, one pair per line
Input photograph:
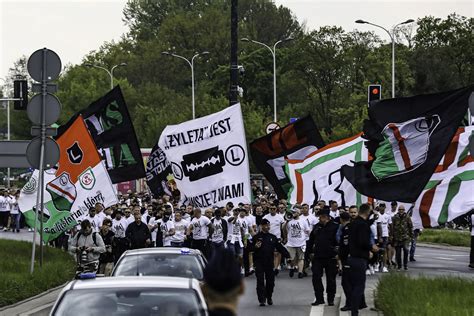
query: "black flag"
158, 169
111, 127
295, 141
407, 138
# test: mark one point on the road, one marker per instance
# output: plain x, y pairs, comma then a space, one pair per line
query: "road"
293, 296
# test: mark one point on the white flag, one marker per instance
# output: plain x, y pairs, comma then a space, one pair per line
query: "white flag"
209, 158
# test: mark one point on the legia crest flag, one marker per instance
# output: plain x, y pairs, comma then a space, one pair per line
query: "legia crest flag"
407, 138
209, 159
450, 191
79, 182
318, 176
111, 127
293, 141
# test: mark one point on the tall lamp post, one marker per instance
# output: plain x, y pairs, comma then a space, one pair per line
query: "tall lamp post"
109, 72
273, 51
393, 45
5, 100
191, 64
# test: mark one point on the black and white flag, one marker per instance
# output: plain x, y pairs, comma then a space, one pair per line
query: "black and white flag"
209, 158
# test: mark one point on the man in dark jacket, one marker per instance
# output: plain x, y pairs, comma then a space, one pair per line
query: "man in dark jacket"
323, 244
264, 246
359, 248
138, 233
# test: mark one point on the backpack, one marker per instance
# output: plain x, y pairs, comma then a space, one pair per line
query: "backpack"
94, 238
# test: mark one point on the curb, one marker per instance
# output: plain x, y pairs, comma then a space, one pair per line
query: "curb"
443, 246
26, 300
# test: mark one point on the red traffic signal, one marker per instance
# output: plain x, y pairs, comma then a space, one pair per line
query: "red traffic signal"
374, 92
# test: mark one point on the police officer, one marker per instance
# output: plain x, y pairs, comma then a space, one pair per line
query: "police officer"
323, 244
359, 248
264, 245
343, 254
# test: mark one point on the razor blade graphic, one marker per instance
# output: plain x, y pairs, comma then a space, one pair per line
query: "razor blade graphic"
203, 163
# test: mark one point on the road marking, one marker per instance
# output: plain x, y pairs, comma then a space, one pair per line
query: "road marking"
317, 310
444, 258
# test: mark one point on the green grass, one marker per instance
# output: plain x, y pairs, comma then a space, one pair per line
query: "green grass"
444, 236
16, 282
400, 295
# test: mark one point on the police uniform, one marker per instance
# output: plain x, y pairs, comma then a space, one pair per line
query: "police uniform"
263, 261
323, 244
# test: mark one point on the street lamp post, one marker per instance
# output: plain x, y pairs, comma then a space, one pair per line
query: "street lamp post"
5, 100
393, 46
109, 72
191, 64
273, 51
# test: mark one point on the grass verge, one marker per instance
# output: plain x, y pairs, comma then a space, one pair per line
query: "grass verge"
16, 282
400, 295
444, 236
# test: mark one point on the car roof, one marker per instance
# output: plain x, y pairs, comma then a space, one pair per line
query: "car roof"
162, 250
134, 282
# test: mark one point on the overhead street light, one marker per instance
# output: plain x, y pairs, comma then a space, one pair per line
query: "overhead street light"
273, 51
191, 64
393, 45
109, 72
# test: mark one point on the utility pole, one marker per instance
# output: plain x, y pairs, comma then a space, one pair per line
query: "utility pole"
234, 67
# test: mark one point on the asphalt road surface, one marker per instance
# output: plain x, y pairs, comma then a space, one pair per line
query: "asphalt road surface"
293, 296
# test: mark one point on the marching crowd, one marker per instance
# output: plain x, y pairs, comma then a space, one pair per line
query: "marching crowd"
265, 237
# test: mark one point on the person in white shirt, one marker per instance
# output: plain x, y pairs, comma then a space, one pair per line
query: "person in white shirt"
295, 231
235, 234
99, 211
384, 221
180, 227
94, 220
311, 220
128, 215
276, 222
5, 209
201, 228
166, 228
15, 213
334, 212
219, 236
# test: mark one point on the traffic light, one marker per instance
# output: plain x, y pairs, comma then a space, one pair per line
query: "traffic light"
374, 92
20, 91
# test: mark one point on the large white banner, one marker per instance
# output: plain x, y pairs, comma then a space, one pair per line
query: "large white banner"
209, 158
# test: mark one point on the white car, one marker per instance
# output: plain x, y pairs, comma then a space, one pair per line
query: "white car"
136, 296
161, 261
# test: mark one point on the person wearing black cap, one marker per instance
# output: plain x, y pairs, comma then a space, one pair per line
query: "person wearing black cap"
223, 284
323, 244
264, 246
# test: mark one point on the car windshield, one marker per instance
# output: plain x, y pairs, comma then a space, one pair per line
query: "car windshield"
179, 265
136, 302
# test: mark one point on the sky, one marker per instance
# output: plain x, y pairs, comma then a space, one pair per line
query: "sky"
73, 28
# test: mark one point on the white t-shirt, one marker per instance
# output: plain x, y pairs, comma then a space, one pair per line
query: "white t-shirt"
200, 229
218, 233
311, 220
251, 220
385, 220
130, 219
179, 230
275, 223
334, 214
95, 221
152, 222
119, 227
165, 228
4, 204
14, 209
297, 229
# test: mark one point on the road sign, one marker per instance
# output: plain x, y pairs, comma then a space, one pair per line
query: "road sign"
271, 127
52, 111
13, 154
51, 153
36, 66
294, 119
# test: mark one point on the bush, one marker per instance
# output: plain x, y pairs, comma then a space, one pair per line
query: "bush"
445, 236
400, 295
16, 282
